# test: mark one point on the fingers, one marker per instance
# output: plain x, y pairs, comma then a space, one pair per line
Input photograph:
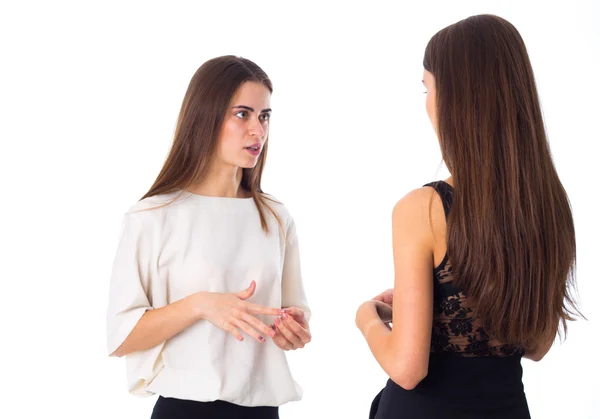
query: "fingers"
249, 330
287, 333
298, 329
234, 331
388, 296
281, 341
296, 313
385, 297
258, 309
384, 311
248, 292
258, 325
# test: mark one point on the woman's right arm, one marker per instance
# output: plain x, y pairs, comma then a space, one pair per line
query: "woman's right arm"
156, 326
133, 322
225, 310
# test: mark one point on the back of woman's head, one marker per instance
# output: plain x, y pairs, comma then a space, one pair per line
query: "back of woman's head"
511, 238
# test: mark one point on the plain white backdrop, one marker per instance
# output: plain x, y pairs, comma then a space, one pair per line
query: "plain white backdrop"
89, 95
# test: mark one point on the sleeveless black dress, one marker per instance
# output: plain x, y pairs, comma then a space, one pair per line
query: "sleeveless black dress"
471, 375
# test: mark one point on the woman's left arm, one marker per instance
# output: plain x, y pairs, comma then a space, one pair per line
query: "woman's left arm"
403, 351
292, 330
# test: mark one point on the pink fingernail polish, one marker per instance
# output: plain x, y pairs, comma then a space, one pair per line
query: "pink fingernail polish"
285, 316
271, 333
261, 338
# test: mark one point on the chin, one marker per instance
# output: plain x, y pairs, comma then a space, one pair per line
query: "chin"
247, 165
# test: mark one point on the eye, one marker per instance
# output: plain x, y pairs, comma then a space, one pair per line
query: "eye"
265, 116
241, 114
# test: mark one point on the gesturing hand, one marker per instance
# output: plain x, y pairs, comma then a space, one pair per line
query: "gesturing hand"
292, 330
386, 296
230, 312
384, 311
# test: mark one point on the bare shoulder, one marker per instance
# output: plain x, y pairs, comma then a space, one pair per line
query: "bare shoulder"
416, 205
419, 213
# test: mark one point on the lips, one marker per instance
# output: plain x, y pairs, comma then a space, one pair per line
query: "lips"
254, 149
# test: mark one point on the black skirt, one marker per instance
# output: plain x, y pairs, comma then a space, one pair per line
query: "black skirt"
458, 388
171, 408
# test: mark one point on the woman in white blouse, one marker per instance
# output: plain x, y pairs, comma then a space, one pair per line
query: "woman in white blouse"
206, 292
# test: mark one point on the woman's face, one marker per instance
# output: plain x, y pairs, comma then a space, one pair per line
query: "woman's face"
430, 101
245, 127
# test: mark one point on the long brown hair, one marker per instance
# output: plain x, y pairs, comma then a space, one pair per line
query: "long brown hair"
200, 120
510, 234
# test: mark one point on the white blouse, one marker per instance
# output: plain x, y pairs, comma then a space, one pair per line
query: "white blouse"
211, 244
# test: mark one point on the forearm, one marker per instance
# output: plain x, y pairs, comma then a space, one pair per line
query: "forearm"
378, 335
158, 325
405, 368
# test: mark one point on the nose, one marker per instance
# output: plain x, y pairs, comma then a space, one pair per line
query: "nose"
257, 129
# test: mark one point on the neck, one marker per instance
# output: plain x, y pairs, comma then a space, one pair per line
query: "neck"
223, 181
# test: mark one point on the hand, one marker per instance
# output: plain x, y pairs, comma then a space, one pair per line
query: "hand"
230, 312
292, 330
371, 312
384, 311
386, 296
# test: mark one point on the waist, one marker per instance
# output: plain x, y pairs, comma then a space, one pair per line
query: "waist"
485, 377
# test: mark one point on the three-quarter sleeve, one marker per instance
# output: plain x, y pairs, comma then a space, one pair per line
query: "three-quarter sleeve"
128, 294
292, 288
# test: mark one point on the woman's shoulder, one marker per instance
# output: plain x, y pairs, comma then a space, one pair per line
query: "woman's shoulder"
420, 211
150, 210
280, 208
416, 199
155, 202
430, 193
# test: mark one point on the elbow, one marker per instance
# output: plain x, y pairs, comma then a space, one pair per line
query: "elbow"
120, 352
535, 357
408, 378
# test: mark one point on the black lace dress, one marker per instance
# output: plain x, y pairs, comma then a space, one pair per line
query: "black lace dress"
471, 375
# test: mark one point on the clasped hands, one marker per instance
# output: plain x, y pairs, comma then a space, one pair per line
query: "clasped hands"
376, 310
230, 312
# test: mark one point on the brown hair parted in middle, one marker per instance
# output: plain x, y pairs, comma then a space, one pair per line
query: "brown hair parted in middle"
200, 120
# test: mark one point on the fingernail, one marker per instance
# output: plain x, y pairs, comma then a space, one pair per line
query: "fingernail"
277, 321
240, 338
285, 316
286, 310
271, 333
261, 338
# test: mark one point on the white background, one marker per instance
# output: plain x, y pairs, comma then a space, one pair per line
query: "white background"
89, 95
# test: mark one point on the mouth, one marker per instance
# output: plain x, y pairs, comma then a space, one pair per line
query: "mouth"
254, 149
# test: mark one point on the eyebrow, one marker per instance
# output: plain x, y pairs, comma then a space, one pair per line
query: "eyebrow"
248, 108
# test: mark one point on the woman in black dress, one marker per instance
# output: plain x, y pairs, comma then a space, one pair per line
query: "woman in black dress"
483, 260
